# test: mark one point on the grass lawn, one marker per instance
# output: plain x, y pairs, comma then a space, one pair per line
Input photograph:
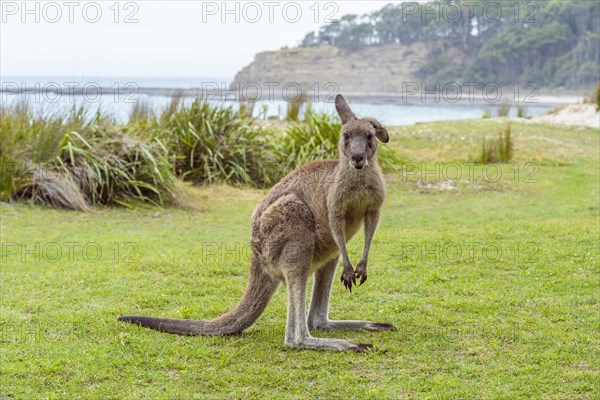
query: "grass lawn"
492, 281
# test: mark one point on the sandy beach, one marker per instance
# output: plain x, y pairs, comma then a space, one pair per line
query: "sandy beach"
572, 115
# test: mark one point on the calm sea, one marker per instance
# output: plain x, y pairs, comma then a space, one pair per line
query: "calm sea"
121, 94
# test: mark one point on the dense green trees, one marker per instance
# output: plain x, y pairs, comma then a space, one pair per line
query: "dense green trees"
552, 43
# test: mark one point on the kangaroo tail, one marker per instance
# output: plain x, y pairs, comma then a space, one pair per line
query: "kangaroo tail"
259, 291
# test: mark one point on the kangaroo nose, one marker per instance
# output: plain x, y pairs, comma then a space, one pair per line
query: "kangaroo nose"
358, 159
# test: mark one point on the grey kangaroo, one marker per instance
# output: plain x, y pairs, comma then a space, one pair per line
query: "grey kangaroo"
301, 228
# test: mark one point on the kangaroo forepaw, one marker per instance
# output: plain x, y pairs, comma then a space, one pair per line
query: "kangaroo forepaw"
361, 273
348, 278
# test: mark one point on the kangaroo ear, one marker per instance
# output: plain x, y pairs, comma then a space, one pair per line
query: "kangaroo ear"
380, 132
343, 109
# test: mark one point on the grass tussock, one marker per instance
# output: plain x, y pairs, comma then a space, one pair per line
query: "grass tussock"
315, 138
209, 144
77, 161
74, 161
499, 150
112, 167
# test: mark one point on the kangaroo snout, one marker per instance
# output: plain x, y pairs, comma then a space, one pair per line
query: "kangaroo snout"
358, 161
358, 151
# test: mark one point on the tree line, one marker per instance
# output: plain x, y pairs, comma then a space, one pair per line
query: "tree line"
555, 43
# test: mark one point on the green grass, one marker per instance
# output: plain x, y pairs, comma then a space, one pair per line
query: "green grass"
521, 323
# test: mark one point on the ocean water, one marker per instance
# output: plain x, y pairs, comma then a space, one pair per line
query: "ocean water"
124, 93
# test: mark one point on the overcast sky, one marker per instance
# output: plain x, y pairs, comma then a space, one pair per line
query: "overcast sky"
169, 39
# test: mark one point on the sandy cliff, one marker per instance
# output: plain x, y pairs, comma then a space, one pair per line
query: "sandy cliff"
373, 69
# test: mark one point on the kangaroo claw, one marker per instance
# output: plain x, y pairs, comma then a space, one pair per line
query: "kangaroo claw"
361, 272
348, 279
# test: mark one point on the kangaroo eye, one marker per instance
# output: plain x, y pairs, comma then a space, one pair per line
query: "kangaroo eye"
369, 137
346, 136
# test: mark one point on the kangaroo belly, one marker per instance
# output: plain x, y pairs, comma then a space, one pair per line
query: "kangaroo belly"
352, 230
326, 248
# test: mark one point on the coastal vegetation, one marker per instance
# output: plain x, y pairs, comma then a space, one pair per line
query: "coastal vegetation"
553, 43
77, 160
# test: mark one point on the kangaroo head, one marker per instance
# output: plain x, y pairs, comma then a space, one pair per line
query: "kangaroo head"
357, 141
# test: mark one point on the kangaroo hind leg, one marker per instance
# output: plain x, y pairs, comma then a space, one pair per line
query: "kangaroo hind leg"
289, 229
318, 316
